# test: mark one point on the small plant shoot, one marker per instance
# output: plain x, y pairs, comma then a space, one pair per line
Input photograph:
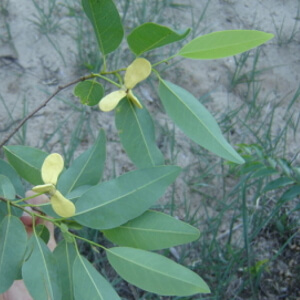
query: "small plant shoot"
120, 208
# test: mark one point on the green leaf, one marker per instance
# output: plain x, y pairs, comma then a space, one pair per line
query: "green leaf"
291, 193
89, 284
7, 170
65, 254
87, 169
278, 183
106, 21
13, 238
155, 273
224, 43
90, 92
252, 166
78, 192
150, 36
43, 232
7, 190
264, 172
153, 231
40, 271
195, 120
115, 202
27, 162
3, 210
136, 131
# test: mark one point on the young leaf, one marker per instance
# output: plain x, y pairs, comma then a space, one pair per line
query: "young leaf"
89, 284
136, 131
150, 36
13, 238
106, 21
224, 43
115, 202
195, 120
152, 231
90, 92
65, 254
7, 190
7, 170
40, 272
155, 273
87, 169
27, 162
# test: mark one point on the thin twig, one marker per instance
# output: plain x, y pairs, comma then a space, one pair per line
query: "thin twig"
59, 89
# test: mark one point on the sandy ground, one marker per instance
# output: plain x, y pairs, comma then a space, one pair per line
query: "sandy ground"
31, 69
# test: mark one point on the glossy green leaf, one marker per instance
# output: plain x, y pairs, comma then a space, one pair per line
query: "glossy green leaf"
150, 36
7, 190
27, 162
106, 22
224, 43
87, 169
195, 120
278, 183
90, 92
155, 273
115, 202
13, 238
40, 272
89, 284
152, 231
136, 131
7, 170
65, 254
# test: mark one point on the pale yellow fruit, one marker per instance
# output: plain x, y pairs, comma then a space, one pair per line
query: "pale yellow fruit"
62, 206
136, 72
52, 167
110, 101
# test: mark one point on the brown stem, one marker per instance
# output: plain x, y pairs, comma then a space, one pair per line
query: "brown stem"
59, 89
